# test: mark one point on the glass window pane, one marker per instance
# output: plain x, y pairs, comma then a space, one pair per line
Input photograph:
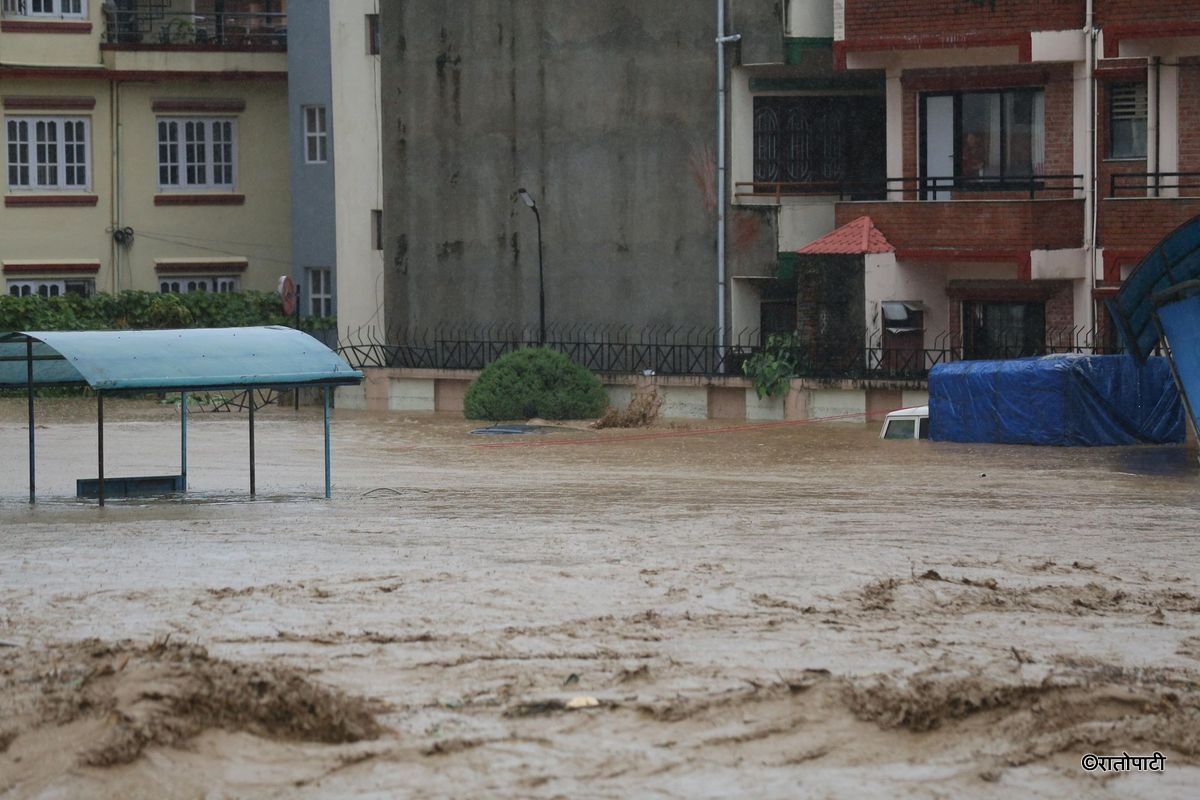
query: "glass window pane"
900, 429
980, 146
1023, 117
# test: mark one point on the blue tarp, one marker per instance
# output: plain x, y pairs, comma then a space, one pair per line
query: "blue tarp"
1056, 400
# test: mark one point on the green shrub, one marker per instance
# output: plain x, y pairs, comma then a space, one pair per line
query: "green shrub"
534, 382
773, 368
143, 310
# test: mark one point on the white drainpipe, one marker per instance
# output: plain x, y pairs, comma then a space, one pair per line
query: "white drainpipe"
1093, 197
722, 40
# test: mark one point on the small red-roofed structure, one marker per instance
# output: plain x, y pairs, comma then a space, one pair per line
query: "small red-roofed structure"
858, 237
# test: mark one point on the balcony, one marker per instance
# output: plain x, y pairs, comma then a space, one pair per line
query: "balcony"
974, 218
1143, 207
150, 29
916, 24
1000, 187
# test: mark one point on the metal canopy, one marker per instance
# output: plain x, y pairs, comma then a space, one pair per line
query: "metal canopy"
179, 360
1173, 261
174, 360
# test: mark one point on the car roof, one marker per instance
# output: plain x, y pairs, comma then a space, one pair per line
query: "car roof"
912, 411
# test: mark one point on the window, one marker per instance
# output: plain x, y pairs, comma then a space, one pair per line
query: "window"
377, 229
320, 291
316, 136
45, 8
184, 284
903, 337
196, 153
1127, 120
50, 288
994, 135
47, 152
808, 139
1003, 329
372, 34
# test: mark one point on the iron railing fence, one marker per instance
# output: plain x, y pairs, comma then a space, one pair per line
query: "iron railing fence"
664, 350
1031, 187
693, 351
150, 26
1152, 184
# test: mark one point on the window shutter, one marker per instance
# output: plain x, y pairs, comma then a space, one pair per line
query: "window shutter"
1128, 101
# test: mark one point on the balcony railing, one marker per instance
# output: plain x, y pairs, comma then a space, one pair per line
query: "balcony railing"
230, 30
1152, 184
998, 187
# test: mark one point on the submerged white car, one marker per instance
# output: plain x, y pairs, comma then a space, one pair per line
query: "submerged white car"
907, 423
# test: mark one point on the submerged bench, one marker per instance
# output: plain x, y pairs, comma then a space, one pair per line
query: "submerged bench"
143, 486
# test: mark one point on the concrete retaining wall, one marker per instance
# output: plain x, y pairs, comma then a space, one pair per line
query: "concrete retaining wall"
730, 398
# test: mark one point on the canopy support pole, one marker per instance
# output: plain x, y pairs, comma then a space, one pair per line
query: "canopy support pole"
327, 492
29, 393
100, 444
183, 414
251, 395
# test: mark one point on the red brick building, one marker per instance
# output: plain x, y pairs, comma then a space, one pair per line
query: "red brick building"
1033, 152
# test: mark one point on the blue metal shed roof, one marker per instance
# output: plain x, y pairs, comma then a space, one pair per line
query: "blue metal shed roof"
1174, 260
182, 360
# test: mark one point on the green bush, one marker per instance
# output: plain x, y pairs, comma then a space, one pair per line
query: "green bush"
147, 310
773, 368
534, 382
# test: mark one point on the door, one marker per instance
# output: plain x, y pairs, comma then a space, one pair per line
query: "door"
938, 155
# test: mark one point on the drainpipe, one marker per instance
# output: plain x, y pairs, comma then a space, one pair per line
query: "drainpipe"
1154, 135
114, 100
1092, 202
722, 40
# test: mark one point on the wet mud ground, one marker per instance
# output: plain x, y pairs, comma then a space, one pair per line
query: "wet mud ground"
787, 611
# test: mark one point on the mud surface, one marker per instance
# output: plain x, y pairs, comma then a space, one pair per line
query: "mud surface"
797, 610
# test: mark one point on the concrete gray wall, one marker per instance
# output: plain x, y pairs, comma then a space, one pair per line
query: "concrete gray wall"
314, 219
605, 110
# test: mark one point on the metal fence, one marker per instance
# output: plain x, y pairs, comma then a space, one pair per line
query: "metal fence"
676, 350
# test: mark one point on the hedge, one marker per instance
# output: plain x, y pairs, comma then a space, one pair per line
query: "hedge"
148, 310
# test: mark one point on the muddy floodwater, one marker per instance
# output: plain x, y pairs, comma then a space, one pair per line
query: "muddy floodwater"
687, 611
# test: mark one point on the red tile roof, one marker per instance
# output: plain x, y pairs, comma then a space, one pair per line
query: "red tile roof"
853, 238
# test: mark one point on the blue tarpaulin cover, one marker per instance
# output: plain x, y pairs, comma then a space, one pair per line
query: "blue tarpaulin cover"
1056, 400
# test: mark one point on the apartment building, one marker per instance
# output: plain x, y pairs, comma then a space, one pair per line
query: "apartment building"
335, 118
143, 145
1027, 156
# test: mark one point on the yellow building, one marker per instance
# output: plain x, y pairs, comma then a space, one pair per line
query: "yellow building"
145, 145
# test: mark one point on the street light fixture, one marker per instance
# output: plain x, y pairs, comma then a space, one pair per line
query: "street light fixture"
527, 199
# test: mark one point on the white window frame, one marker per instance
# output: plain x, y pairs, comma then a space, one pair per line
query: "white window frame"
185, 284
45, 9
177, 154
320, 292
59, 162
48, 287
316, 135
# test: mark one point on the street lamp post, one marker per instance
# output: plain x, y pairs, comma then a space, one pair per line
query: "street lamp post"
528, 200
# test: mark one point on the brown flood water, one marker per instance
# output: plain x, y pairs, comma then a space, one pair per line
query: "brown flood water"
787, 611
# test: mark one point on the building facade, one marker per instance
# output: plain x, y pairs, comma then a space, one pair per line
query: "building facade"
605, 112
142, 145
1003, 165
336, 172
1032, 154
